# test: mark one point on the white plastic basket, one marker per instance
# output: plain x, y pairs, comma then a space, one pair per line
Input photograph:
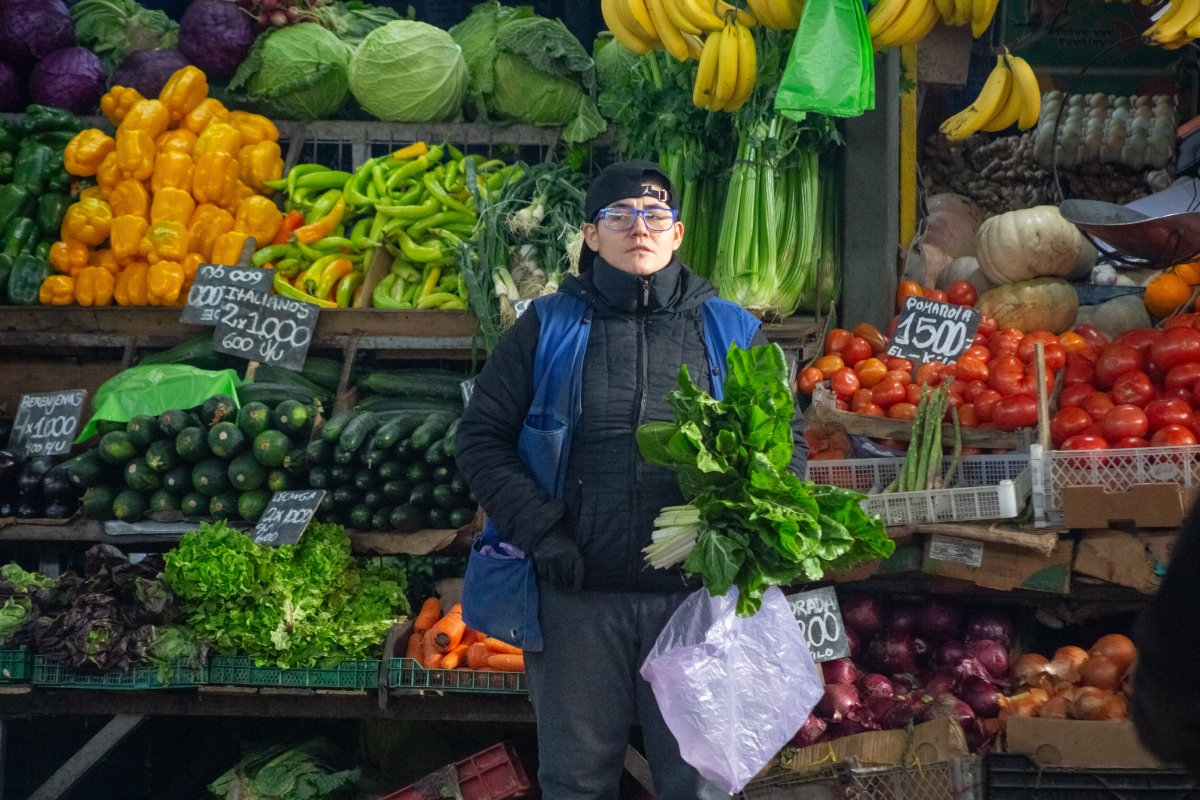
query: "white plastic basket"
998, 501
1112, 470
872, 475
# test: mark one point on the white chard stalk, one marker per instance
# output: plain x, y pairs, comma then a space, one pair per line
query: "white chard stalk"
676, 530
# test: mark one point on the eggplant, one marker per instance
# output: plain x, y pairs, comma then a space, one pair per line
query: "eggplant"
42, 464
29, 509
10, 468
29, 486
57, 486
61, 510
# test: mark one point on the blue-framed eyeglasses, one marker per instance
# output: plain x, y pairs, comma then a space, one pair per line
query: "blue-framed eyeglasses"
622, 219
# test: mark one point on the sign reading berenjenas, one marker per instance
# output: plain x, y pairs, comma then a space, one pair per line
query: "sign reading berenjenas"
932, 331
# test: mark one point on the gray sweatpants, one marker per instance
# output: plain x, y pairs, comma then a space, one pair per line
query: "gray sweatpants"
587, 693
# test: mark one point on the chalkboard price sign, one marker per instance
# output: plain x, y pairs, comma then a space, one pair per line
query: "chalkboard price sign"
819, 616
932, 331
46, 424
208, 293
264, 327
286, 517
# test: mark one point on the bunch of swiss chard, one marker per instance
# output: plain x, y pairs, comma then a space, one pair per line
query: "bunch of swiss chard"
749, 522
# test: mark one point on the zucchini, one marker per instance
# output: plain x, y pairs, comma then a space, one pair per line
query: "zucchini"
397, 491
192, 445
251, 505
357, 430
439, 519
296, 461
458, 483
116, 448
334, 517
374, 500
246, 474
318, 452
442, 475
325, 372
211, 477
347, 497
98, 502
226, 440
143, 430
285, 377
360, 517
444, 496
218, 408
140, 478
178, 481
365, 480
130, 506
107, 426
253, 419
161, 455
270, 448
406, 452
407, 518
379, 404
173, 421
280, 480
397, 428
391, 470
223, 506
448, 440
422, 496
87, 470
318, 477
272, 394
431, 430
292, 417
334, 428
194, 504
382, 520
327, 506
163, 501
461, 516
435, 455
426, 383
196, 352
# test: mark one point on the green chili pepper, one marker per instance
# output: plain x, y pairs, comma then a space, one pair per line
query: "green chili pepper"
282, 287
297, 172
288, 267
377, 179
455, 153
442, 196
354, 196
416, 252
411, 197
346, 287
410, 213
325, 179
382, 296
322, 206
274, 252
360, 228
438, 221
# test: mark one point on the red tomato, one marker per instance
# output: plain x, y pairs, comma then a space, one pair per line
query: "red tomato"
1140, 339
1183, 376
953, 401
1132, 388
870, 371
856, 350
1157, 376
1176, 346
1097, 429
844, 383
1168, 411
869, 332
1087, 353
1093, 335
1008, 363
957, 387
898, 363
836, 340
887, 393
979, 353
978, 340
1097, 405
829, 365
987, 326
1028, 383
908, 289
985, 404
967, 417
970, 369
841, 405
1173, 436
936, 294
1114, 361
1006, 382
899, 375
973, 390
1079, 372
1025, 351
1085, 441
929, 374
1068, 422
1074, 395
1179, 394
1015, 412
808, 379
862, 398
1130, 442
1180, 320
1056, 356
962, 293
914, 392
1125, 420
904, 411
872, 411
1004, 344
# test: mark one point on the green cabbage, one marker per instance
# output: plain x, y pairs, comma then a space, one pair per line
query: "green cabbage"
299, 72
409, 71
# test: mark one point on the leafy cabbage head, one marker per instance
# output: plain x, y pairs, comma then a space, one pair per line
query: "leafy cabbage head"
409, 71
300, 72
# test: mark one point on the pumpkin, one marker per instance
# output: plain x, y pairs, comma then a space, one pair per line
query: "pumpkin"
951, 223
1041, 304
964, 269
1114, 317
1032, 243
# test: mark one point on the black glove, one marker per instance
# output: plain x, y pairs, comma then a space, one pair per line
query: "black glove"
558, 560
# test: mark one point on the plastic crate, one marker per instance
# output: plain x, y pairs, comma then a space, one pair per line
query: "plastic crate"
406, 673
49, 672
956, 779
492, 774
240, 671
872, 475
1013, 776
1001, 501
1112, 470
16, 666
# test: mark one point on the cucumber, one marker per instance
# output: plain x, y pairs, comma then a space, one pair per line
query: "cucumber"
223, 506
116, 448
98, 502
318, 452
325, 372
372, 458
397, 491
161, 456
142, 430
280, 480
226, 440
87, 470
327, 505
417, 472
335, 427
360, 517
380, 404
430, 383
407, 518
285, 377
218, 408
178, 481
341, 474
422, 496
365, 480
347, 497
374, 499
439, 519
391, 470
444, 496
172, 422
194, 504
318, 478
341, 456
442, 474
163, 501
461, 516
140, 478
251, 505
431, 430
246, 474
449, 440
271, 448
397, 428
291, 417
406, 452
211, 477
196, 352
107, 426
253, 419
435, 455
335, 517
357, 430
130, 506
382, 520
272, 394
192, 445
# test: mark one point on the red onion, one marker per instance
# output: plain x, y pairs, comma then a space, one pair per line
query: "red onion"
880, 707
892, 653
949, 704
923, 650
838, 701
810, 732
989, 625
951, 652
851, 727
862, 613
991, 655
853, 641
876, 685
938, 622
902, 620
940, 684
841, 670
982, 696
900, 715
971, 668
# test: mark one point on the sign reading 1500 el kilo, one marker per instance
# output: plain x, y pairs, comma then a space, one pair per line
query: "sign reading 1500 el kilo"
46, 424
931, 331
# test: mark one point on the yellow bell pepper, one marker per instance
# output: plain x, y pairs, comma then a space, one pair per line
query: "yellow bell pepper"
172, 205
255, 128
130, 287
218, 137
117, 101
87, 221
176, 141
87, 151
91, 193
126, 237
172, 170
164, 283
148, 116
206, 111
207, 223
191, 262
57, 290
94, 287
135, 154
164, 241
104, 259
215, 179
260, 163
130, 198
184, 90
69, 257
258, 217
108, 176
227, 249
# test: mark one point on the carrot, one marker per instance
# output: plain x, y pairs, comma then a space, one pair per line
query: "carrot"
501, 648
415, 646
471, 637
430, 657
456, 657
507, 663
431, 611
478, 655
447, 634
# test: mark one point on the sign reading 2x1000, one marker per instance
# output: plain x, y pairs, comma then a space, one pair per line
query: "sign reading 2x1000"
266, 328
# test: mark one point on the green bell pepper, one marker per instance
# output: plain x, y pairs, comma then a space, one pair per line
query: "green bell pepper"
20, 237
55, 140
26, 279
15, 201
42, 119
6, 265
58, 181
50, 211
6, 166
33, 167
43, 248
10, 138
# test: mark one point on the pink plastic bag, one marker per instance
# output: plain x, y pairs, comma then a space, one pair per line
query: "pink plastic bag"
733, 690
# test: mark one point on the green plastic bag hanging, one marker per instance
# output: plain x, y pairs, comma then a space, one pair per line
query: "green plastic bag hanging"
155, 388
831, 69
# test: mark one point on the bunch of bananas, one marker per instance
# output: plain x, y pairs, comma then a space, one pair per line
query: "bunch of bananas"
894, 23
728, 69
673, 25
782, 15
1177, 26
1009, 95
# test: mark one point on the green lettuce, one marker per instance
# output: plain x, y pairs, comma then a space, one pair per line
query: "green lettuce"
300, 72
409, 71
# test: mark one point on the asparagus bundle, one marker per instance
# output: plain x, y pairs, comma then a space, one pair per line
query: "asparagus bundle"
923, 462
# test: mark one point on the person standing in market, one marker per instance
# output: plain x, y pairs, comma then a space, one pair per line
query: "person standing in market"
634, 315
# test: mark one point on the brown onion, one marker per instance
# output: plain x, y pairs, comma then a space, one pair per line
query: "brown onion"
1115, 708
1021, 705
1116, 647
1040, 695
1127, 681
1029, 669
1067, 662
1054, 708
1064, 689
1102, 673
1089, 703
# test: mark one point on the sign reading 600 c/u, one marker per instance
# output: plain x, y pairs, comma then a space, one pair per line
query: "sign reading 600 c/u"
264, 328
929, 330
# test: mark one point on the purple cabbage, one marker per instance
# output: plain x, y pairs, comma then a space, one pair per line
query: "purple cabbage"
72, 78
989, 625
216, 35
12, 89
30, 30
148, 70
938, 622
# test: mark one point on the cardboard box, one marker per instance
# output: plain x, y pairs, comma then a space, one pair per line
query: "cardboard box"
1000, 566
1120, 558
906, 558
929, 743
1147, 505
1074, 743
